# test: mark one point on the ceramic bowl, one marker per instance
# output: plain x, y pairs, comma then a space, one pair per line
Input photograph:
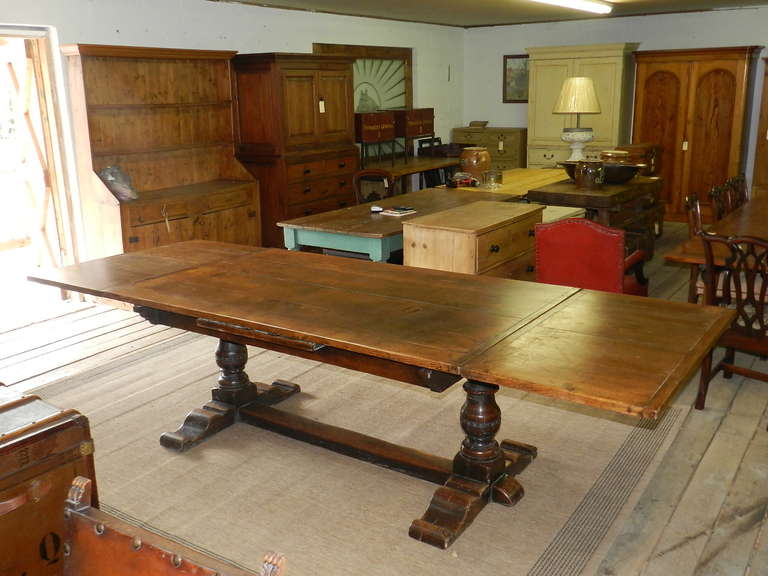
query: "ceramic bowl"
615, 172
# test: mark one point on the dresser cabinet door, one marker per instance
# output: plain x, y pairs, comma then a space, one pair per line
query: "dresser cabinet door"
547, 77
299, 103
693, 104
335, 103
662, 89
606, 75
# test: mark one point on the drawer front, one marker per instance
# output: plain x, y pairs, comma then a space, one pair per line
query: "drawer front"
229, 199
151, 213
322, 205
305, 170
505, 243
520, 268
314, 190
547, 157
341, 164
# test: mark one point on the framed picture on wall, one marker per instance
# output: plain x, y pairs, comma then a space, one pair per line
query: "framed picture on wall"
515, 85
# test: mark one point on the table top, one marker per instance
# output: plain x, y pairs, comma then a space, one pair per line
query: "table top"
517, 181
623, 353
360, 221
566, 193
477, 217
751, 219
415, 164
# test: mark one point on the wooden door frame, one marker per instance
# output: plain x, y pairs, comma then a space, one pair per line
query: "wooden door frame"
39, 46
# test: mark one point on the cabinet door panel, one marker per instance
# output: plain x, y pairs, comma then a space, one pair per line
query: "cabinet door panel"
548, 78
158, 234
714, 125
659, 107
760, 177
299, 101
605, 74
335, 94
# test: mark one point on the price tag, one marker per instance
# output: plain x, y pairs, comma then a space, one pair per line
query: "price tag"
322, 106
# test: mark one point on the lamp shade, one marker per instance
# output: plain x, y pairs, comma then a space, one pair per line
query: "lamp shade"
577, 96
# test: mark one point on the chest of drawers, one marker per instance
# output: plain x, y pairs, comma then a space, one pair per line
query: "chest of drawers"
493, 238
506, 145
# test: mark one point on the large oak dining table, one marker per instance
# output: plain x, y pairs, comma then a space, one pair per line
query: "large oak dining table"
750, 219
424, 327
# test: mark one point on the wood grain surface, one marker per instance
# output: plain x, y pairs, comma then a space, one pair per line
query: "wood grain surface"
751, 219
616, 352
360, 221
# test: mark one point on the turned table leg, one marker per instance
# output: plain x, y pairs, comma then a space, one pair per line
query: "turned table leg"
234, 391
483, 471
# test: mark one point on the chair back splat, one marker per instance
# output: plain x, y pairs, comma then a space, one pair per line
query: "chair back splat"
382, 185
740, 264
581, 253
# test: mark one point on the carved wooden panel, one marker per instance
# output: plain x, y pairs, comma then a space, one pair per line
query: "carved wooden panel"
658, 119
693, 103
712, 129
760, 177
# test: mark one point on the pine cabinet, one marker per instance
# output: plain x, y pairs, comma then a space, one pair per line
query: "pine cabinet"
609, 66
693, 103
294, 131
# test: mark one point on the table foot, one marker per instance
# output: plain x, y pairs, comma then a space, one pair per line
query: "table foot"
199, 425
453, 507
234, 392
483, 471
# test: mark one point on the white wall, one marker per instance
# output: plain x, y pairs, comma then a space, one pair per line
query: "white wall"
229, 26
485, 47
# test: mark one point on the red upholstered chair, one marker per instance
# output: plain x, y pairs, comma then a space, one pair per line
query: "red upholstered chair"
581, 253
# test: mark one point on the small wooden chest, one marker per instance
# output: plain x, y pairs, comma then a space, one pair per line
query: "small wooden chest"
42, 449
493, 238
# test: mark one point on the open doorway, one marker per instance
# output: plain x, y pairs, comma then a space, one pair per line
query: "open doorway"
33, 222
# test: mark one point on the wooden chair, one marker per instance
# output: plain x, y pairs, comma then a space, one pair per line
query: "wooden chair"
695, 283
720, 202
736, 192
746, 280
581, 253
382, 185
430, 178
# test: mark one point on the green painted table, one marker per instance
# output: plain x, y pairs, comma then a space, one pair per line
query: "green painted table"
357, 229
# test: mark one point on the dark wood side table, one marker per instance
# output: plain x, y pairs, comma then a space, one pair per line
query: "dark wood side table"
633, 206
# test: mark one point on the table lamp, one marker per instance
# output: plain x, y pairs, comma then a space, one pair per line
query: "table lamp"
578, 97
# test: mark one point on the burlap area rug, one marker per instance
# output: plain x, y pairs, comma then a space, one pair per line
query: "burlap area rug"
247, 491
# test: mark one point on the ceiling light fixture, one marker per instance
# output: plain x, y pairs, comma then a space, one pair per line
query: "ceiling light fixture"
585, 5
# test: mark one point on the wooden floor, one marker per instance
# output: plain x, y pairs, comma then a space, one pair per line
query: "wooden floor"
704, 513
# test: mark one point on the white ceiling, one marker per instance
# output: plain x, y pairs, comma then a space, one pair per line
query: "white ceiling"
468, 13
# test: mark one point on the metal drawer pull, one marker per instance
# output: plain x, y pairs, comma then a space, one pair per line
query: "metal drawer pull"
495, 248
307, 171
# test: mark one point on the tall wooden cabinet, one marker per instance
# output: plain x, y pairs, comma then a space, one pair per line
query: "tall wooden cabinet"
693, 103
760, 176
294, 131
164, 117
609, 66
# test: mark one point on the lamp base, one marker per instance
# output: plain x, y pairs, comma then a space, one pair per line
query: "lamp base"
578, 138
